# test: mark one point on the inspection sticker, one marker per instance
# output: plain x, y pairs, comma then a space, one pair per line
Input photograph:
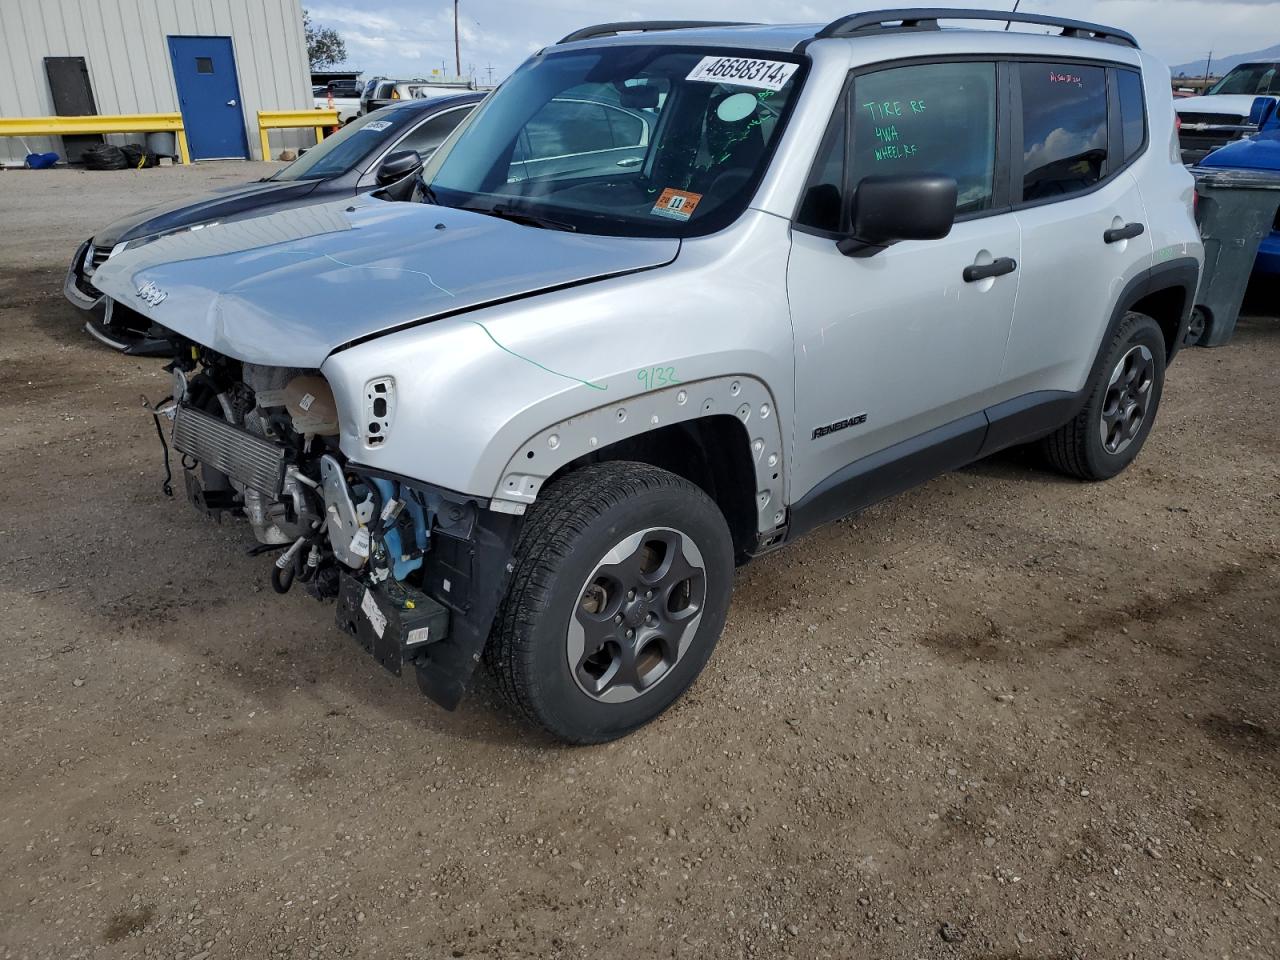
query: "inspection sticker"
676, 204
744, 72
376, 125
377, 619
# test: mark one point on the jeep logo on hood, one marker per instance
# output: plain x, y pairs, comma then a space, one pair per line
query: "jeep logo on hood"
151, 293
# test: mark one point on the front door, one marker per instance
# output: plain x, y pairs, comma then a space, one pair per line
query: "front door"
204, 69
898, 350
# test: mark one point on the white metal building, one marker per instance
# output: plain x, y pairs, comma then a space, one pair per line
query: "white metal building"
216, 61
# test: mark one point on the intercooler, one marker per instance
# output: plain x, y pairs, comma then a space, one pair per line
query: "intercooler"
245, 458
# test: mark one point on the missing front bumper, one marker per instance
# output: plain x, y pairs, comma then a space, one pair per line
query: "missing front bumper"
395, 629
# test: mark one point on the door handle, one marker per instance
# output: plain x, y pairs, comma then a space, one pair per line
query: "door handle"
630, 162
1127, 232
231, 103
985, 271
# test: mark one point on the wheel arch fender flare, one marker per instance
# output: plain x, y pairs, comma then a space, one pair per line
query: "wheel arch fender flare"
746, 398
1181, 275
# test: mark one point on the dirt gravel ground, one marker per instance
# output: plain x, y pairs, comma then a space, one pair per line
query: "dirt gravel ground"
1005, 715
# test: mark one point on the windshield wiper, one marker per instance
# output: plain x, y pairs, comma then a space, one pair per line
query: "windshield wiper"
528, 219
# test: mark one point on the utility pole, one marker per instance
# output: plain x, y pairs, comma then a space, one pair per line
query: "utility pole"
457, 47
490, 70
1207, 64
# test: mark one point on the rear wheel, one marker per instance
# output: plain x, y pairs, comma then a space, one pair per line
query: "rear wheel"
1123, 397
620, 587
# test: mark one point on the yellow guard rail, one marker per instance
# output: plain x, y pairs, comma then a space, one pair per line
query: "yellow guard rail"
274, 119
106, 123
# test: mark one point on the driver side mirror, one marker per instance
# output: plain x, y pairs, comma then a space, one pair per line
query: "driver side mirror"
398, 165
885, 210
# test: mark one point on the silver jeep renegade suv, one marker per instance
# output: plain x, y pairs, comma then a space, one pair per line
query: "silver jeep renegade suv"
675, 294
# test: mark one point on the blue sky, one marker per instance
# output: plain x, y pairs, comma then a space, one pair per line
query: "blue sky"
408, 39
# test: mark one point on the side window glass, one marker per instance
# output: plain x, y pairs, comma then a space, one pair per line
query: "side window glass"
933, 118
1064, 129
566, 127
823, 204
429, 135
1133, 113
628, 129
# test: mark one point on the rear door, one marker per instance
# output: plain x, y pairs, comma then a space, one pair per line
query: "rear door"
1084, 229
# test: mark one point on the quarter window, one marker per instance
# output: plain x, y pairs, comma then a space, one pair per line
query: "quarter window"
1133, 113
822, 207
1064, 129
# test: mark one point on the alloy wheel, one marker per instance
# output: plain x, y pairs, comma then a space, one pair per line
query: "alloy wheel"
637, 614
1128, 399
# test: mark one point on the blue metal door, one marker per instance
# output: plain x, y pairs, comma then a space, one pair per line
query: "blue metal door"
204, 69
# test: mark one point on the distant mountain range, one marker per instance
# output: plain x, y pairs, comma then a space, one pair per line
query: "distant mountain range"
1223, 64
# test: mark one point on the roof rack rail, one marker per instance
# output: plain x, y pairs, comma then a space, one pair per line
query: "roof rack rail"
645, 26
926, 18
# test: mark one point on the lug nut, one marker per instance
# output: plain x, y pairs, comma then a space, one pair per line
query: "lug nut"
631, 634
618, 618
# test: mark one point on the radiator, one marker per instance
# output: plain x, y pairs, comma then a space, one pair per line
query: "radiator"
243, 457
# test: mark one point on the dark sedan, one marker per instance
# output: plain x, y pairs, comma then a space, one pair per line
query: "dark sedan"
343, 165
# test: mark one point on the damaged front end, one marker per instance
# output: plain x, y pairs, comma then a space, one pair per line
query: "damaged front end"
418, 572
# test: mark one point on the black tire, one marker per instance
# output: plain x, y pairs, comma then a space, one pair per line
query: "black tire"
1078, 448
576, 522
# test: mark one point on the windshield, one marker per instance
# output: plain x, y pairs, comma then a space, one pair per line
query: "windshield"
623, 140
1251, 79
335, 155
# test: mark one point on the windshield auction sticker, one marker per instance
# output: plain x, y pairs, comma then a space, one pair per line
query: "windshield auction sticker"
676, 204
744, 72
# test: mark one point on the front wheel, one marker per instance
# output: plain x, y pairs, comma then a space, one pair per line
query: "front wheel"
1123, 396
619, 592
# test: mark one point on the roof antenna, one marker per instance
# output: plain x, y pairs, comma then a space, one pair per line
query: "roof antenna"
1009, 23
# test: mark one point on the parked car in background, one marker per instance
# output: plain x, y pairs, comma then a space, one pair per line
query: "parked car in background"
1223, 113
383, 91
537, 421
348, 107
1259, 152
343, 165
346, 88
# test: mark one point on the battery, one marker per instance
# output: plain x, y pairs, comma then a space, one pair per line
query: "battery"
393, 625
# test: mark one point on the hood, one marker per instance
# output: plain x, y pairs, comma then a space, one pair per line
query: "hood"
1261, 152
290, 288
222, 202
1229, 103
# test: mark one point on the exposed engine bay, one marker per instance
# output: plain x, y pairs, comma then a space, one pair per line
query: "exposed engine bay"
261, 443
